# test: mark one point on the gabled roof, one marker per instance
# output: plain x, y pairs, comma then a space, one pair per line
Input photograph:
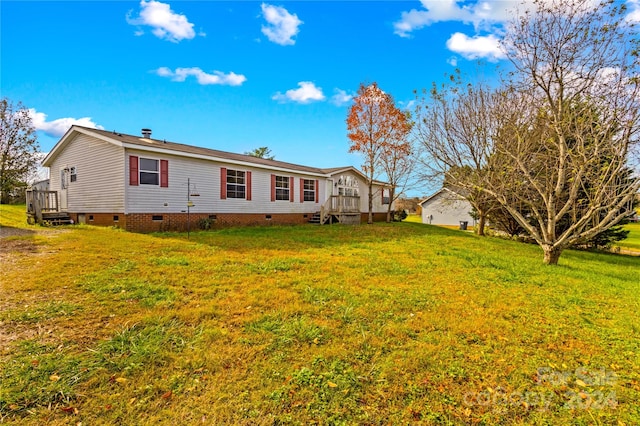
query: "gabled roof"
440, 191
173, 148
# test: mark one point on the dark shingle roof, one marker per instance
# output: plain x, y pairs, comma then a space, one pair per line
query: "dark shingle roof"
190, 149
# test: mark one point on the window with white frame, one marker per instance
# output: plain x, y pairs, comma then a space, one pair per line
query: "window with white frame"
73, 174
236, 184
149, 172
309, 191
348, 185
282, 188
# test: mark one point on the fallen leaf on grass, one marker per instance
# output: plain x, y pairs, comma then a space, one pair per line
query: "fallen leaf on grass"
167, 395
332, 385
121, 380
54, 378
70, 410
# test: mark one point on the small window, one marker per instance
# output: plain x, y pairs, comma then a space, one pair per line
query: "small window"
236, 185
157, 217
90, 218
282, 188
386, 196
268, 217
149, 172
115, 217
309, 190
74, 174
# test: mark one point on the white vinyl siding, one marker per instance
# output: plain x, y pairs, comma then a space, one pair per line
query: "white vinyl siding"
99, 175
446, 208
204, 176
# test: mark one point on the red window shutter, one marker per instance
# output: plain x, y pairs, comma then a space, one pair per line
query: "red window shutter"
291, 189
317, 191
164, 173
248, 182
223, 183
273, 187
301, 190
382, 198
133, 170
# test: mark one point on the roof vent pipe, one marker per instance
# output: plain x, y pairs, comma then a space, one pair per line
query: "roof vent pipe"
146, 133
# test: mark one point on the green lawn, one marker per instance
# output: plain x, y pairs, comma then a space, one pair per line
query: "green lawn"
372, 324
632, 242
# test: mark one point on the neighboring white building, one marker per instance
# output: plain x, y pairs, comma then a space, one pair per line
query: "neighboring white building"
140, 184
446, 207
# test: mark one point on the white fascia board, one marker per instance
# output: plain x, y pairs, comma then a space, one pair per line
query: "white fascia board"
219, 160
67, 136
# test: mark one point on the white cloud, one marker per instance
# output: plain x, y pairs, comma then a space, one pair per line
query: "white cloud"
340, 97
482, 14
306, 93
453, 61
476, 47
407, 106
218, 77
58, 127
165, 22
281, 26
634, 11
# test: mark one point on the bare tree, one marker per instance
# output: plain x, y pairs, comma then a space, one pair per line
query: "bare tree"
566, 140
455, 130
563, 128
18, 149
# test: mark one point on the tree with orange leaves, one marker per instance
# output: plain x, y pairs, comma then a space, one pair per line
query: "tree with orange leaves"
375, 126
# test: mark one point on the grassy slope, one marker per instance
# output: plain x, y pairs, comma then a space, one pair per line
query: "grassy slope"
632, 242
368, 324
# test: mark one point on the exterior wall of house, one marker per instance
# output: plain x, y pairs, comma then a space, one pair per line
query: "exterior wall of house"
446, 208
118, 219
204, 177
99, 190
98, 185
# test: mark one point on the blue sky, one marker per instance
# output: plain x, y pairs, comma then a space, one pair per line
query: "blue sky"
237, 75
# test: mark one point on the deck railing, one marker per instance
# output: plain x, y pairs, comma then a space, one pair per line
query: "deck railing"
338, 204
39, 202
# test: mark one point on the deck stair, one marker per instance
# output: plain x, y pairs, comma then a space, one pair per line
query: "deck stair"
338, 209
43, 209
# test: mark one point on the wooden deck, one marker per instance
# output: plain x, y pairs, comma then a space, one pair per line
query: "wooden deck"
339, 209
43, 208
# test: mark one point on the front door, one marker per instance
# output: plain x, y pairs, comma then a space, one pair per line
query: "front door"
64, 184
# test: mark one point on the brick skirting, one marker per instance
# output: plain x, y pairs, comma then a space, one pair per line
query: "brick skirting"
177, 222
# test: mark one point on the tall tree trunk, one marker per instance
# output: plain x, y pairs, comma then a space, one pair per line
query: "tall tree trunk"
482, 219
370, 218
391, 195
551, 254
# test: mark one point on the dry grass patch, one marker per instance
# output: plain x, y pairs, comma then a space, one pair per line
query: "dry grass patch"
370, 324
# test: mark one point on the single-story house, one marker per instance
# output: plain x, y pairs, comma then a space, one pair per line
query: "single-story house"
142, 184
446, 207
